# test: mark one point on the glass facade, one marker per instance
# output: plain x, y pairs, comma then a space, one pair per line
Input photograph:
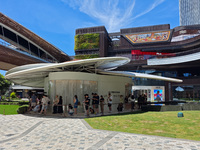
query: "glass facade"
189, 11
186, 92
68, 88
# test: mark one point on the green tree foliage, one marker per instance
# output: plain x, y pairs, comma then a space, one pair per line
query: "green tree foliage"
4, 84
86, 41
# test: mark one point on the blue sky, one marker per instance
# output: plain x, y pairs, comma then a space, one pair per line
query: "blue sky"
57, 20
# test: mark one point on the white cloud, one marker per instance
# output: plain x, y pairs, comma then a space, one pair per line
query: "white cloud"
114, 14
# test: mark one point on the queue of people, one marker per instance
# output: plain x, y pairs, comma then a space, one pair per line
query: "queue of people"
41, 105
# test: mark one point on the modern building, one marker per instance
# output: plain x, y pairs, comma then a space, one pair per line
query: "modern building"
189, 11
80, 77
157, 50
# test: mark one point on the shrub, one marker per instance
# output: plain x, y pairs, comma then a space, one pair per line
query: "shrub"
23, 103
22, 109
13, 95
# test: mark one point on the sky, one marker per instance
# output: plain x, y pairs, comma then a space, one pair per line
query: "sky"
56, 20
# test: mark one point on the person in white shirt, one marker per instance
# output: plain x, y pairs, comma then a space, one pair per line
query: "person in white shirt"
45, 101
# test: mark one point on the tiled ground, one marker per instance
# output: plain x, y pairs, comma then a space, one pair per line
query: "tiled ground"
35, 132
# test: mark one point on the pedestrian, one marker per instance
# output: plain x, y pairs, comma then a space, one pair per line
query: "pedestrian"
96, 103
60, 107
131, 99
109, 100
70, 110
121, 100
87, 104
55, 105
93, 100
102, 104
75, 104
126, 99
33, 102
45, 101
140, 101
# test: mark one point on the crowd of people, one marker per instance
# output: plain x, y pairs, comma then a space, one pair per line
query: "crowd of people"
38, 104
41, 104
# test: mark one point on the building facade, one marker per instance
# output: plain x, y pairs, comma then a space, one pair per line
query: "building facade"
157, 50
189, 11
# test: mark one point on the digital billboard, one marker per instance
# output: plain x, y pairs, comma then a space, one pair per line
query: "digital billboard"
149, 37
158, 95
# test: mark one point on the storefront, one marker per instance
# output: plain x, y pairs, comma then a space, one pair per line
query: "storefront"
153, 93
25, 91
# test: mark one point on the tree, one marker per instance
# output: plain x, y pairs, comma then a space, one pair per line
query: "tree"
4, 84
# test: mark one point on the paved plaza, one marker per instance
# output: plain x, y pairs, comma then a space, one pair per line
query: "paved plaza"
25, 132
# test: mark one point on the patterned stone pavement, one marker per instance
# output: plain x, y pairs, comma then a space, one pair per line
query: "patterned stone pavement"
24, 132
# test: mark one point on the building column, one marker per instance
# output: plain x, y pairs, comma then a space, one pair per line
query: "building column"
168, 92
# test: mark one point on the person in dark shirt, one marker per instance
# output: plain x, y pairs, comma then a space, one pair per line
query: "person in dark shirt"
87, 104
60, 107
102, 104
120, 107
140, 101
93, 100
96, 103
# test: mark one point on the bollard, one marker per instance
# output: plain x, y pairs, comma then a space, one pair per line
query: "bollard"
3, 111
180, 114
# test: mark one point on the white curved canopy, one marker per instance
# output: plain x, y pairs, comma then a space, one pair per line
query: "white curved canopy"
139, 75
34, 74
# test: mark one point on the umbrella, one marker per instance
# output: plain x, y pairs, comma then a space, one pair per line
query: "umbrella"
180, 89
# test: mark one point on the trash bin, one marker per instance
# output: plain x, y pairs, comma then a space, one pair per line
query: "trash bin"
180, 114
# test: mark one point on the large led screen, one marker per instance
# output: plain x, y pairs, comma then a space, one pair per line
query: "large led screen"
149, 37
158, 95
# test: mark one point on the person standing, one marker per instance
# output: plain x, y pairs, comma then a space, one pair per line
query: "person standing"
131, 99
139, 101
102, 104
109, 100
33, 101
60, 108
75, 104
45, 101
93, 101
87, 104
96, 103
55, 105
121, 99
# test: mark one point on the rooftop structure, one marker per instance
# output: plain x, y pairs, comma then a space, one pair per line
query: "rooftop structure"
20, 46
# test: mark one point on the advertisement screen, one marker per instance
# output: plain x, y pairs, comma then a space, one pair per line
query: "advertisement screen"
158, 95
149, 37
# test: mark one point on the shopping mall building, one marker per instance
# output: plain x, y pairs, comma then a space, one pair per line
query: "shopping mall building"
157, 50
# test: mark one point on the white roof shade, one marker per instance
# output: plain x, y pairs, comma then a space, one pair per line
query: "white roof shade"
34, 74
